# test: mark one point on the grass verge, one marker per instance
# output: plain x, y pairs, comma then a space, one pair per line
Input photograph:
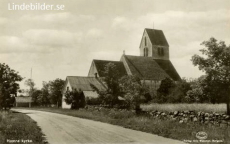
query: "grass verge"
19, 128
166, 128
219, 108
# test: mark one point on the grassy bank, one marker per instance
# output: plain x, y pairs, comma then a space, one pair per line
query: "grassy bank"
219, 108
18, 128
166, 128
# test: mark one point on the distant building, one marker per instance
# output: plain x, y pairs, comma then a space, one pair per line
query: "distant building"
23, 101
152, 66
83, 83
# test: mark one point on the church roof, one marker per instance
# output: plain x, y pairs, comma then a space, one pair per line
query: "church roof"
100, 65
83, 83
168, 67
157, 37
151, 69
145, 67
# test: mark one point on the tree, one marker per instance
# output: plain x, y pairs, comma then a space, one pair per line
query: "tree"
43, 98
75, 98
164, 90
178, 91
111, 78
133, 91
216, 65
197, 92
35, 96
8, 85
55, 88
30, 83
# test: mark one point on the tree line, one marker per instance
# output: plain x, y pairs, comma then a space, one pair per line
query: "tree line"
49, 95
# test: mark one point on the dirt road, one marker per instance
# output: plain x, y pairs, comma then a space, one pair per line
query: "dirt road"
62, 129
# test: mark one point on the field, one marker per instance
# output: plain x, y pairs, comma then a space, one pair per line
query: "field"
219, 108
162, 127
18, 128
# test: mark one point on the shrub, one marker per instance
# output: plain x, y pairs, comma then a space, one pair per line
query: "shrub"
92, 101
75, 98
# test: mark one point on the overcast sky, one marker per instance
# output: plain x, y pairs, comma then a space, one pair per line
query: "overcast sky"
56, 44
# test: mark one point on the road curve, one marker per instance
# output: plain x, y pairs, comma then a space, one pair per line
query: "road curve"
63, 129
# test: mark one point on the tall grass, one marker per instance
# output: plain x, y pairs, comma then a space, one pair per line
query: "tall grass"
17, 126
220, 108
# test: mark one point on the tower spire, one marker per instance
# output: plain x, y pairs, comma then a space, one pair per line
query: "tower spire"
123, 52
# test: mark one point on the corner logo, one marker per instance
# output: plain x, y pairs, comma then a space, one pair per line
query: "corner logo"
201, 135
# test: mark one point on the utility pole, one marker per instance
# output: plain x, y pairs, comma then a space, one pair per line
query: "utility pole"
31, 74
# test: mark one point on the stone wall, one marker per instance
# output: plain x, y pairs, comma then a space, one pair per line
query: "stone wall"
191, 116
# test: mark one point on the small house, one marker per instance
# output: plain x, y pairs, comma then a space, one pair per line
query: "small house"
83, 84
23, 101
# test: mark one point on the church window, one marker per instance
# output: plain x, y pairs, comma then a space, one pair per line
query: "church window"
145, 41
145, 51
162, 51
159, 51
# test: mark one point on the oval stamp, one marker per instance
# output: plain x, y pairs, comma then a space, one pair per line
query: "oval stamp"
201, 135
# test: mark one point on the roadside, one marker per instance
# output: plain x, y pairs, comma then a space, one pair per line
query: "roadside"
165, 128
63, 129
19, 128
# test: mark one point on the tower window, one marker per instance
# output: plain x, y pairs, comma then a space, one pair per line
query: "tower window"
145, 51
160, 51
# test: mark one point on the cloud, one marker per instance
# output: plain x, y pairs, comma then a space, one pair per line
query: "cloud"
124, 24
39, 41
51, 38
10, 44
95, 33
62, 18
3, 20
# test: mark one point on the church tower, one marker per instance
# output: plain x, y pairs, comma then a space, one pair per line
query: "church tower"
154, 44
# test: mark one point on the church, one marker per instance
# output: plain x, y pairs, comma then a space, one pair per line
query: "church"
152, 66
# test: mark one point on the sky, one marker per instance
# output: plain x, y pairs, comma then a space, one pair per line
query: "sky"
60, 43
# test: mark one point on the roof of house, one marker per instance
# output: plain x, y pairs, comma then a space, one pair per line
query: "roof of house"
25, 99
157, 37
100, 65
145, 67
84, 83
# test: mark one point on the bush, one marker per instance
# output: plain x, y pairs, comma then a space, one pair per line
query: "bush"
173, 92
92, 101
75, 98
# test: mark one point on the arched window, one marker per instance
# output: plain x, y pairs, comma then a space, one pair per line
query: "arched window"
145, 41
